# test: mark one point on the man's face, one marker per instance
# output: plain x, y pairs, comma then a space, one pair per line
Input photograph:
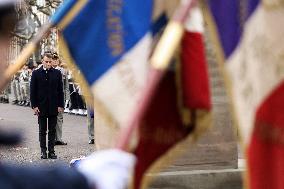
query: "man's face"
47, 62
55, 63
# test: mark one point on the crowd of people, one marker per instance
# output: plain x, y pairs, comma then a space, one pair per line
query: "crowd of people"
74, 103
20, 87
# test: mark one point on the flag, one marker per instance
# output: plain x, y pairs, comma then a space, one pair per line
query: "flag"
110, 42
103, 31
180, 107
250, 43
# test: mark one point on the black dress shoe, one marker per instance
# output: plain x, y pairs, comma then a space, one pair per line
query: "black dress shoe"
15, 102
60, 143
92, 141
27, 104
43, 155
23, 103
52, 155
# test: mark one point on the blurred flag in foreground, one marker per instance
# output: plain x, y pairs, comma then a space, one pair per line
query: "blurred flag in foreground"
180, 107
251, 38
109, 42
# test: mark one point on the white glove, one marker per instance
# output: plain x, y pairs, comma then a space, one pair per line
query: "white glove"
109, 169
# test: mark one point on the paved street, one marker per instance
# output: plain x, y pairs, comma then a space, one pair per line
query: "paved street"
75, 133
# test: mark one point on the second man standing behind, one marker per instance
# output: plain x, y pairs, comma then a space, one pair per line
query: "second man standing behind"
58, 136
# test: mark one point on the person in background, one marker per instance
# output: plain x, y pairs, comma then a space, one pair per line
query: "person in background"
90, 122
24, 86
65, 86
4, 97
15, 88
38, 65
82, 110
29, 75
73, 108
59, 122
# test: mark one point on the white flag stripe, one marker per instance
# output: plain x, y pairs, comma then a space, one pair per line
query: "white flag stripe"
194, 22
119, 88
257, 65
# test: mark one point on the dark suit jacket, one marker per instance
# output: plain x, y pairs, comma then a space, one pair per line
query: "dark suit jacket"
47, 91
15, 177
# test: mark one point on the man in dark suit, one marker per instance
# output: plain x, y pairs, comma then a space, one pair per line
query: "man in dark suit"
47, 100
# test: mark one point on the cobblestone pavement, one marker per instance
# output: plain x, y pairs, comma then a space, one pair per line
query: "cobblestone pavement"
75, 133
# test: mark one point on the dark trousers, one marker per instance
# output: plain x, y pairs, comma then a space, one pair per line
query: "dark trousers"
42, 121
81, 102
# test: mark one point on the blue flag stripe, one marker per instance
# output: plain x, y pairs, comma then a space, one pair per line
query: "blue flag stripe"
229, 20
103, 32
159, 24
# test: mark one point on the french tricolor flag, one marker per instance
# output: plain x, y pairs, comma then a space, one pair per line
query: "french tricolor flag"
109, 42
251, 38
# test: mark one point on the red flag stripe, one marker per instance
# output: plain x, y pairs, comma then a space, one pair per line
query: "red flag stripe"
195, 81
266, 150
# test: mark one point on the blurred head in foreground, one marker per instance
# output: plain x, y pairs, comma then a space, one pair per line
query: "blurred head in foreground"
8, 21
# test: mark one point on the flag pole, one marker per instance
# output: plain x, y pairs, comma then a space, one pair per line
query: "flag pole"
159, 62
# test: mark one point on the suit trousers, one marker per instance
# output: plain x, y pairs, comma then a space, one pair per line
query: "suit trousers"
90, 122
42, 121
58, 136
15, 90
20, 95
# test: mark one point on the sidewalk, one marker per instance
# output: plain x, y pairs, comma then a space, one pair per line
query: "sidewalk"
75, 133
